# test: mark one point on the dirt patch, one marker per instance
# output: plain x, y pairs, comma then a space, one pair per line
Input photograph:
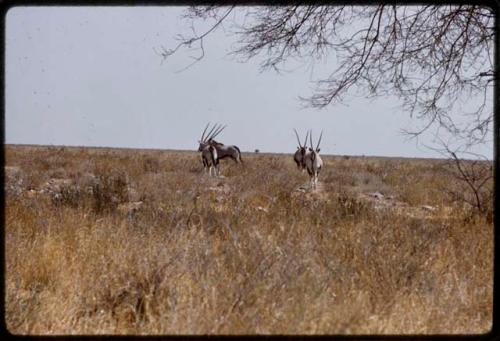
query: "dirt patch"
259, 202
56, 185
130, 208
219, 187
305, 192
389, 202
12, 171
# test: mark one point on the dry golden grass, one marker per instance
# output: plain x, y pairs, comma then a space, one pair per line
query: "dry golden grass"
243, 254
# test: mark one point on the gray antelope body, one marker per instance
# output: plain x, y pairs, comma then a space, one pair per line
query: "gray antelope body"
313, 162
224, 151
300, 154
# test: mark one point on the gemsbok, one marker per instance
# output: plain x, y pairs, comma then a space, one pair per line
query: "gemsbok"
224, 151
313, 161
299, 156
209, 155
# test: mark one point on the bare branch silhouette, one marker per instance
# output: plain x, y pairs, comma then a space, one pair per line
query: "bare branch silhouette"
474, 177
434, 58
189, 41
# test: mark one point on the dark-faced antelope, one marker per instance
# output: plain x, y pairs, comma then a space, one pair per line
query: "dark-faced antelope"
299, 156
209, 155
313, 161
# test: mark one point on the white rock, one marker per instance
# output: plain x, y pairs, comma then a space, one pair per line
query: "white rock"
376, 195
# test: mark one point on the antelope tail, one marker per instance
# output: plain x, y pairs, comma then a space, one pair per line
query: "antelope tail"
239, 152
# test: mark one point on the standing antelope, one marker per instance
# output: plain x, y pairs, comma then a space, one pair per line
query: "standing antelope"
209, 155
313, 161
299, 156
210, 160
224, 151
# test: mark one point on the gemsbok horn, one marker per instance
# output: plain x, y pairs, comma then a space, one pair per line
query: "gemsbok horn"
313, 161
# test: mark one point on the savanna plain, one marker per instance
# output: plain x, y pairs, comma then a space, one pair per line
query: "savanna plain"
116, 241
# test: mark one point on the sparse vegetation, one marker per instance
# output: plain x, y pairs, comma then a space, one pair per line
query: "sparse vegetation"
120, 241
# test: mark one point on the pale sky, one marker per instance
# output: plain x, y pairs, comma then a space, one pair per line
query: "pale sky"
89, 76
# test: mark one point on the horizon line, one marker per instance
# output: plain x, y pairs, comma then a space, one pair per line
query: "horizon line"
243, 151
